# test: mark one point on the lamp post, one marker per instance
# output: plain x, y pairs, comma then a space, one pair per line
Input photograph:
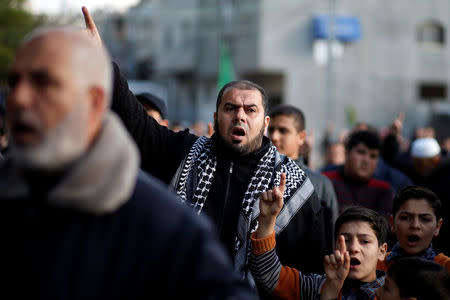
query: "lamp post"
330, 99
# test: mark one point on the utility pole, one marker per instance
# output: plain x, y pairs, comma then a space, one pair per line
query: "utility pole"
330, 88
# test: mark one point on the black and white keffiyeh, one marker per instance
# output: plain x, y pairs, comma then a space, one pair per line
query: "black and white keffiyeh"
201, 163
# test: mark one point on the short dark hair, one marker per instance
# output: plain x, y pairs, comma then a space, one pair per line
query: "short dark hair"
367, 137
376, 221
417, 192
291, 111
242, 85
420, 278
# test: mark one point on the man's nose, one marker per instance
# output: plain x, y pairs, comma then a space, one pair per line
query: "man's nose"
239, 115
20, 94
274, 135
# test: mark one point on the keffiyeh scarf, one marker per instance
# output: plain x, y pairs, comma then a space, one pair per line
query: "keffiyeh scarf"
194, 177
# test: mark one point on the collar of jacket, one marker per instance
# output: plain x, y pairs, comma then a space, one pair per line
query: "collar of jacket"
100, 181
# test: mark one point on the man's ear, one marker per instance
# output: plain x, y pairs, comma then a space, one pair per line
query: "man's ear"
97, 103
438, 227
302, 137
96, 108
266, 124
382, 252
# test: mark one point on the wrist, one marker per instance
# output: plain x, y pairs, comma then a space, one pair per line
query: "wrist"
330, 290
264, 230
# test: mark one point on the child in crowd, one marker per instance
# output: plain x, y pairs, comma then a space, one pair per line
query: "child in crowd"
350, 271
415, 278
416, 219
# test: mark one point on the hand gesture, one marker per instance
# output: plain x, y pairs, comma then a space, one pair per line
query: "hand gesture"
337, 266
396, 126
90, 26
270, 204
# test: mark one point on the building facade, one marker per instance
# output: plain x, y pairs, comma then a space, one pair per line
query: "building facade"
385, 57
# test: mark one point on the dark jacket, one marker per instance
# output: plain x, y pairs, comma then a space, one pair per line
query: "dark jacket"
438, 181
106, 230
327, 196
163, 150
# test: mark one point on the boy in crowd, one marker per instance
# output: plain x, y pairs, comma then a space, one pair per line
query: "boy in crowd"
350, 271
416, 220
415, 278
354, 182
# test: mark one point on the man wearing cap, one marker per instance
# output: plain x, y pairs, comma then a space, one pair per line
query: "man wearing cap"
430, 168
155, 107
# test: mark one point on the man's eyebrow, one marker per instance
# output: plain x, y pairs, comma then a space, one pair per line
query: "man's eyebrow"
233, 105
230, 104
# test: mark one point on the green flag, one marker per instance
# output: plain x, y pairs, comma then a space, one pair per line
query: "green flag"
226, 70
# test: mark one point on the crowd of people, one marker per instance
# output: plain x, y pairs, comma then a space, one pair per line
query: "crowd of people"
103, 200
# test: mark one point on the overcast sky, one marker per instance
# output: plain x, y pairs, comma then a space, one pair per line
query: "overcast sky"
57, 6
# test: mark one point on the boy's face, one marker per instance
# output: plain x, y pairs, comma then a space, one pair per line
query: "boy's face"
361, 162
284, 135
362, 245
415, 225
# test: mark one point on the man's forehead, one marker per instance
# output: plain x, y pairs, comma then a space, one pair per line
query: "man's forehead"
234, 95
282, 120
39, 54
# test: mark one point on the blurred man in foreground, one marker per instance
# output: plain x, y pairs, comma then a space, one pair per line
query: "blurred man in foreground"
79, 220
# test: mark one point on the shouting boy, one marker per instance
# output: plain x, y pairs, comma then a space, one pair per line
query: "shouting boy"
350, 271
416, 220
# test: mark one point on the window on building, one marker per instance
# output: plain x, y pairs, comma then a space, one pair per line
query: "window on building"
433, 91
431, 33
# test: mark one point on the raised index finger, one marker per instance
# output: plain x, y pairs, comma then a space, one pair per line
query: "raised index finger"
341, 245
90, 24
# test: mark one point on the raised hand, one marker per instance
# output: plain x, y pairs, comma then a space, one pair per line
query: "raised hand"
270, 204
337, 266
90, 25
396, 126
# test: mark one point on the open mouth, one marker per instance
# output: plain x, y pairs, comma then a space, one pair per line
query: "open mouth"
354, 262
21, 129
413, 238
237, 133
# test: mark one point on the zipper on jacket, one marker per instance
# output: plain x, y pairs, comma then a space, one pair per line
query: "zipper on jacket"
230, 172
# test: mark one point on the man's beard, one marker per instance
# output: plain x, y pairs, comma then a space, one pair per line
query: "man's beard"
240, 149
58, 147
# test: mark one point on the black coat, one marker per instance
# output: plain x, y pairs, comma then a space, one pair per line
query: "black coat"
142, 249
